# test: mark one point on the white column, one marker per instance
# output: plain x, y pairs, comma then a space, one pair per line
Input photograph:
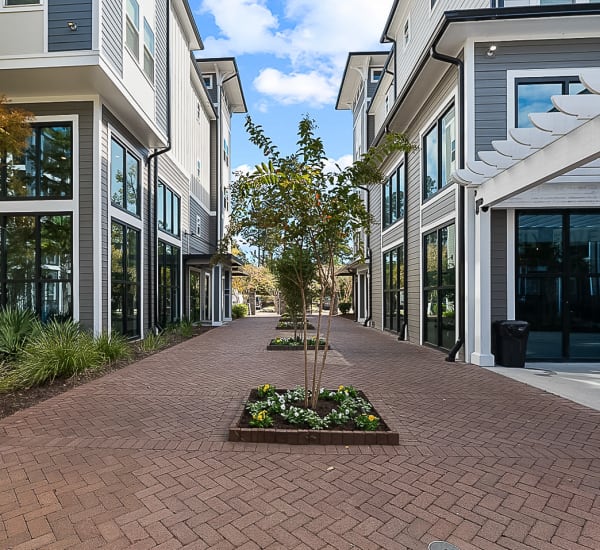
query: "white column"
482, 354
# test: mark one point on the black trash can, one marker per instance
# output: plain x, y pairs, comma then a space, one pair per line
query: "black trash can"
509, 342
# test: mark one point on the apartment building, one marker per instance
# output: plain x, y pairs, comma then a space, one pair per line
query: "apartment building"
123, 180
496, 214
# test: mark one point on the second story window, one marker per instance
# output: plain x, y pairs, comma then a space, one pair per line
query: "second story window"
406, 32
226, 151
534, 95
439, 153
169, 208
208, 81
148, 51
44, 170
124, 179
376, 75
393, 197
132, 27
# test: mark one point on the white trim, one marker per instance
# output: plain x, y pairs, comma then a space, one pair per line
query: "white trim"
45, 36
170, 239
22, 7
512, 75
510, 264
97, 215
395, 244
469, 103
50, 60
96, 24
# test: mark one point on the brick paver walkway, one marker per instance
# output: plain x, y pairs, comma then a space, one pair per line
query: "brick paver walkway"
139, 458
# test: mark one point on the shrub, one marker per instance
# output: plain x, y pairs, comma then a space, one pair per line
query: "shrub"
238, 311
113, 346
16, 327
186, 328
153, 342
345, 307
58, 350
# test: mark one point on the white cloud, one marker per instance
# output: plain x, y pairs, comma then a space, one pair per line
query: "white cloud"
242, 169
312, 88
315, 37
333, 165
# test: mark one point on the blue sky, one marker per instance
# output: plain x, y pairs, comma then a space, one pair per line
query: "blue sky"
291, 56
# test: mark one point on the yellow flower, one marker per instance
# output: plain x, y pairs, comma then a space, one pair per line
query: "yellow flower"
341, 388
371, 418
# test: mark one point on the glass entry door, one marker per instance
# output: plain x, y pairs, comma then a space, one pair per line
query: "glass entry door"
557, 283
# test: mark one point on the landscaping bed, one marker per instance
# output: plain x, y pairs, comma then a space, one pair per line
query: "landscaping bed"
291, 343
288, 325
341, 417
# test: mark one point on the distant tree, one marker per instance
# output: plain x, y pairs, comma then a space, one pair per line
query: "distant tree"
293, 204
14, 129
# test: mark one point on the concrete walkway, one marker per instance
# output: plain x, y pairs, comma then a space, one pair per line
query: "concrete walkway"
139, 458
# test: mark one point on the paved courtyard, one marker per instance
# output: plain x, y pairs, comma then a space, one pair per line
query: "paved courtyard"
139, 458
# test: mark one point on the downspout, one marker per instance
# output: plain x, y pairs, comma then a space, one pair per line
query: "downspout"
369, 257
153, 191
461, 196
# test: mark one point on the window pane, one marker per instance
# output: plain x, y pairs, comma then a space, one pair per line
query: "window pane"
540, 243
393, 183
448, 146
534, 97
132, 310
431, 317
386, 203
21, 295
132, 39
133, 12
148, 65
448, 252
20, 247
118, 239
400, 193
132, 184
117, 161
176, 202
576, 88
431, 163
56, 298
55, 161
169, 211
132, 255
431, 260
448, 318
116, 307
20, 172
56, 247
160, 199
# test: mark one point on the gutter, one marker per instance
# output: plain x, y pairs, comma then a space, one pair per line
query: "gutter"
153, 192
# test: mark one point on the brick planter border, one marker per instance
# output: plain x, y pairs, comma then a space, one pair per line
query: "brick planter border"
312, 437
279, 347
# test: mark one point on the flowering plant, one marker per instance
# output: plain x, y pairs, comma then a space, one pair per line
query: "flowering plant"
261, 420
266, 390
368, 422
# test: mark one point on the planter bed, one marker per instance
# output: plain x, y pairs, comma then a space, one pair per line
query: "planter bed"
283, 432
289, 347
285, 325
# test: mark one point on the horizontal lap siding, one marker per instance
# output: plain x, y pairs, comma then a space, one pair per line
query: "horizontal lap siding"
499, 265
376, 259
60, 36
437, 101
112, 33
204, 243
438, 208
491, 77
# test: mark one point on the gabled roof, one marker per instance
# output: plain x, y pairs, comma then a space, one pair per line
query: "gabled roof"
353, 75
189, 24
227, 72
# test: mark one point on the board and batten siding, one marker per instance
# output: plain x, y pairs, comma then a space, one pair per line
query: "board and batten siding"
498, 264
491, 76
85, 113
112, 34
60, 37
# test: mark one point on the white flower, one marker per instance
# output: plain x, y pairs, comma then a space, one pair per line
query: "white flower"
347, 411
296, 414
283, 406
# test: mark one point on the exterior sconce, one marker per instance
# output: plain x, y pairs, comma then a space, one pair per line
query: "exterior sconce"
72, 25
491, 52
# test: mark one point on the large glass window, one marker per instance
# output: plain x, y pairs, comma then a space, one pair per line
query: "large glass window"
169, 209
439, 271
393, 289
124, 178
558, 283
125, 279
36, 264
393, 203
44, 170
534, 95
439, 153
168, 283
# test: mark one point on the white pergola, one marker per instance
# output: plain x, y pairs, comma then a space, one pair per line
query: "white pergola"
561, 145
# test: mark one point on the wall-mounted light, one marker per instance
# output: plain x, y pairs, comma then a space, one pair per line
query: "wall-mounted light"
491, 52
72, 25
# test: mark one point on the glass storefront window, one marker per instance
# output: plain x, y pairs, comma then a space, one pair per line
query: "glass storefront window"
125, 279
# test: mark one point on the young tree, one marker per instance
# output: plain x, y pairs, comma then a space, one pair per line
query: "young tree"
293, 203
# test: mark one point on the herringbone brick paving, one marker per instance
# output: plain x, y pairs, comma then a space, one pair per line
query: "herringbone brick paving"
139, 458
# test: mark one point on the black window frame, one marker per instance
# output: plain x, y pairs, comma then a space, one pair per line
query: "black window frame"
36, 135
565, 81
172, 289
161, 218
439, 287
127, 153
124, 282
394, 290
394, 211
38, 280
438, 128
